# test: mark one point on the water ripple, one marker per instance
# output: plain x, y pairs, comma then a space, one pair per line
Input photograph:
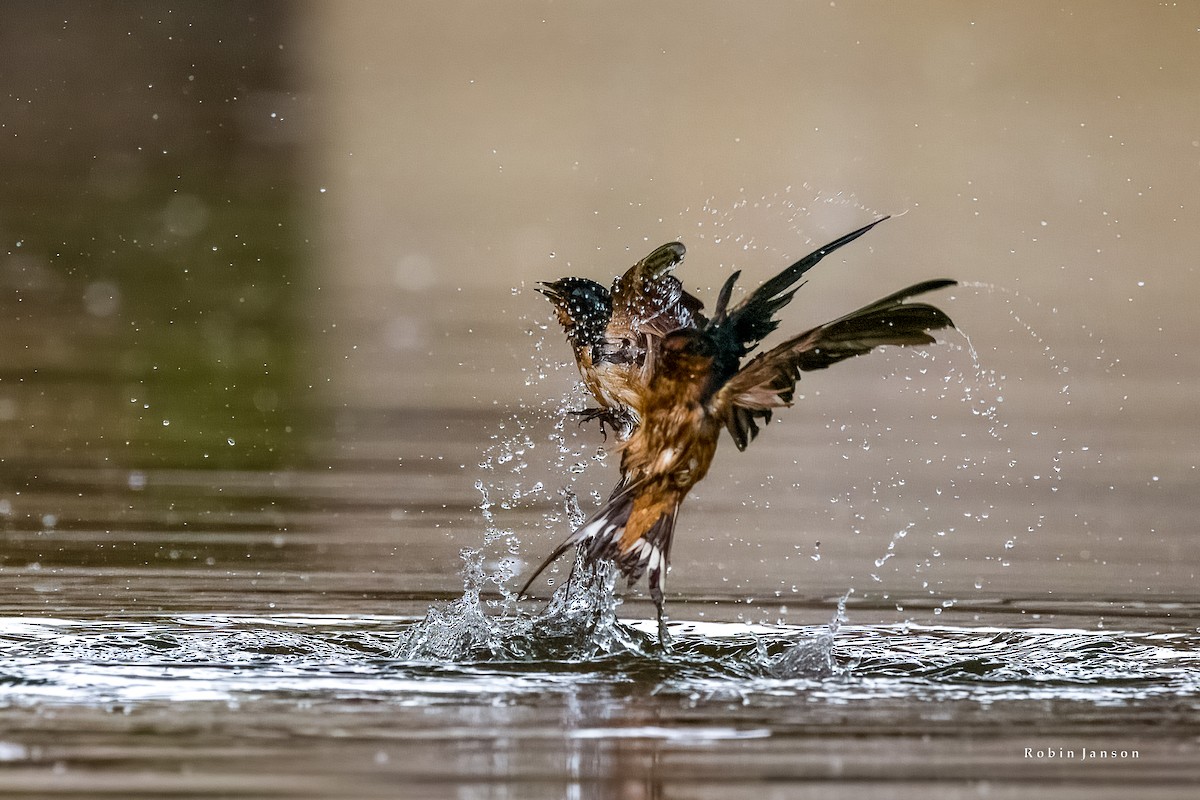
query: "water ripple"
201, 657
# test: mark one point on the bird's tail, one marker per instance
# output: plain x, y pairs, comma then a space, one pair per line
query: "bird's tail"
604, 535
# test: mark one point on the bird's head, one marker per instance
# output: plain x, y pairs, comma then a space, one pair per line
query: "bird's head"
583, 306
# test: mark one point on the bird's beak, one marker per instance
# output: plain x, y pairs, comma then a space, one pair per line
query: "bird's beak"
551, 290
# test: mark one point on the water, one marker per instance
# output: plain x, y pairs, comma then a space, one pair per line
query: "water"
883, 599
223, 656
235, 660
1016, 594
280, 429
318, 705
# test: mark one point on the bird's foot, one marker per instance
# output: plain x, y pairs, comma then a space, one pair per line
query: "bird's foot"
664, 636
606, 416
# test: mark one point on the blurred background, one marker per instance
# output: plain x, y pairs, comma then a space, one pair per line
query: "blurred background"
267, 321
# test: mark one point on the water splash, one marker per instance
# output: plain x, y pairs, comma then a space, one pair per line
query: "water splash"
544, 492
726, 221
578, 623
812, 657
1049, 476
221, 657
891, 548
973, 470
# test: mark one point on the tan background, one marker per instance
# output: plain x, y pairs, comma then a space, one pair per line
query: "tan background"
1050, 151
1046, 156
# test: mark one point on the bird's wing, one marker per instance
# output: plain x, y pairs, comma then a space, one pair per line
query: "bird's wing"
660, 261
648, 303
630, 288
648, 299
664, 306
768, 381
753, 319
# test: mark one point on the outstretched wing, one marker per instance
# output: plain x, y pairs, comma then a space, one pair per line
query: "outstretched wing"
742, 327
768, 381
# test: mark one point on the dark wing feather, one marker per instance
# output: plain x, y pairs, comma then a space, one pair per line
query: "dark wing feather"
768, 381
753, 319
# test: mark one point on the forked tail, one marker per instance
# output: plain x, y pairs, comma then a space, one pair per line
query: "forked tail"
606, 534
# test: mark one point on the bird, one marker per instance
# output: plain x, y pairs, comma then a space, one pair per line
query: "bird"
703, 383
613, 332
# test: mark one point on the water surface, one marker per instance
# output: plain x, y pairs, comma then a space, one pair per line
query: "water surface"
281, 422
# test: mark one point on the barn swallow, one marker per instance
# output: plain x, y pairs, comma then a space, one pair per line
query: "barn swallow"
702, 383
614, 332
